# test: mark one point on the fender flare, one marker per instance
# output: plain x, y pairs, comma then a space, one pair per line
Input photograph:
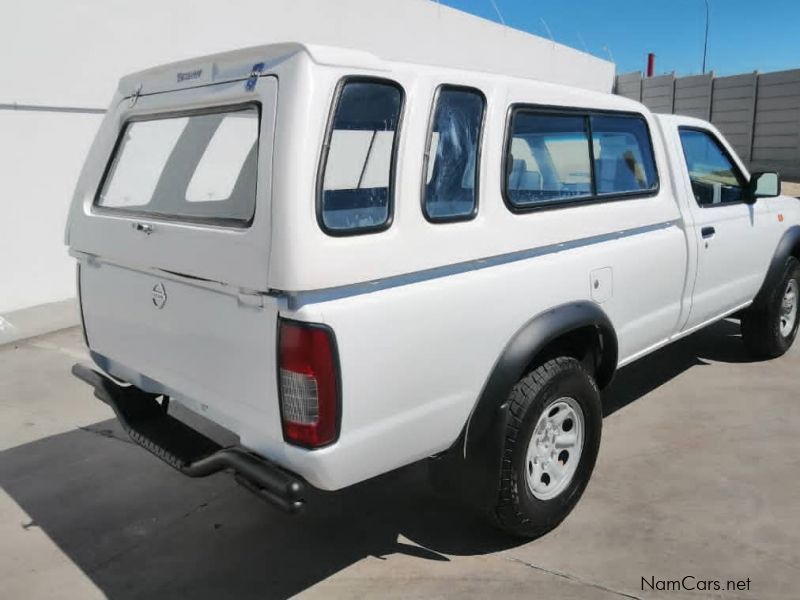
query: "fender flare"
475, 459
528, 341
789, 245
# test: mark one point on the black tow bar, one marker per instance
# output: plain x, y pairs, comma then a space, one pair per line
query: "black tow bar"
146, 421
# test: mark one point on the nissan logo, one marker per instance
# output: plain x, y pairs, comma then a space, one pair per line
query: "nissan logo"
159, 295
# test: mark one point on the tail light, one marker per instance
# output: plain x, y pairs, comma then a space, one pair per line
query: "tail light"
309, 384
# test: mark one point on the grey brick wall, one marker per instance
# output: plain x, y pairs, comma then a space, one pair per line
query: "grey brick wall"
759, 114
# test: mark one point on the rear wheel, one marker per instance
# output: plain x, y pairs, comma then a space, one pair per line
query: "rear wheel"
768, 332
551, 446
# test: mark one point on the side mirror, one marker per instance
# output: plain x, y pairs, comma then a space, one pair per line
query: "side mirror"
763, 185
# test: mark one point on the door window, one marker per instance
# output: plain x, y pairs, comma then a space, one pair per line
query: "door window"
716, 180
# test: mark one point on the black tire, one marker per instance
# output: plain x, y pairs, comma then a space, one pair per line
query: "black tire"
518, 511
761, 328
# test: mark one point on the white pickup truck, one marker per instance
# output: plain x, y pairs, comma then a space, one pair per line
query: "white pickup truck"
353, 264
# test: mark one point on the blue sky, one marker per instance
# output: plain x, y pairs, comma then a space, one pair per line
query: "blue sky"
744, 35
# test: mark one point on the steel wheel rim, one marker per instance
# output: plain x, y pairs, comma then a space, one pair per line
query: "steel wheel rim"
789, 308
555, 448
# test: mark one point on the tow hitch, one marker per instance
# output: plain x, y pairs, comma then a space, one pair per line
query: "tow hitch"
147, 423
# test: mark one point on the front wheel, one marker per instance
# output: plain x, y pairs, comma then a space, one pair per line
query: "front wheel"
769, 331
551, 445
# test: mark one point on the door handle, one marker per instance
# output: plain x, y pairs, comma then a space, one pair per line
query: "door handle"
143, 227
708, 232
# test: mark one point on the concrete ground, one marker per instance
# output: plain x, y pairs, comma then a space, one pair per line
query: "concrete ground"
697, 476
790, 188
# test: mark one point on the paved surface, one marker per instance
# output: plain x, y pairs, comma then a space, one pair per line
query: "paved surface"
790, 188
38, 320
697, 475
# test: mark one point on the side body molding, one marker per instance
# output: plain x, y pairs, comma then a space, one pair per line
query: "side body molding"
789, 245
473, 463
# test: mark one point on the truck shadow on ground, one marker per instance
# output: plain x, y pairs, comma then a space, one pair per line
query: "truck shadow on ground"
720, 342
138, 529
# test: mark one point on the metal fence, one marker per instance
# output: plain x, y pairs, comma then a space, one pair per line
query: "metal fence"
759, 114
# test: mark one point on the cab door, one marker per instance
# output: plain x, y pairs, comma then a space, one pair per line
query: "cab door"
734, 238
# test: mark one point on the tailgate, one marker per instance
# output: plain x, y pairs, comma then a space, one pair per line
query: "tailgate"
193, 340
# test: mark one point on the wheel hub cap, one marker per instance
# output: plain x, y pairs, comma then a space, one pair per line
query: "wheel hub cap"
789, 309
554, 450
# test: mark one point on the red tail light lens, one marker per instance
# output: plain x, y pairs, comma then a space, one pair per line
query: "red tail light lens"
308, 383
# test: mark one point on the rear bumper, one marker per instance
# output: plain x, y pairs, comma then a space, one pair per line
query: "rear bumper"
147, 423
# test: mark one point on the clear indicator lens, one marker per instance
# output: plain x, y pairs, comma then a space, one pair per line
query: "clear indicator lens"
300, 397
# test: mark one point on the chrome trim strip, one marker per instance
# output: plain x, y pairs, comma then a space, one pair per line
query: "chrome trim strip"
299, 299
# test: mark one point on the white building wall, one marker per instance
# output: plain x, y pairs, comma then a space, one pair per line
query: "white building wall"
71, 54
41, 154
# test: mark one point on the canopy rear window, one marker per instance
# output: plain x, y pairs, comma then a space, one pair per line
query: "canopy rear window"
199, 167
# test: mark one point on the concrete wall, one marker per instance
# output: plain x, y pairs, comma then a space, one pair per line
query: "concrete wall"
658, 93
733, 104
693, 96
758, 113
629, 85
69, 56
41, 154
776, 134
84, 46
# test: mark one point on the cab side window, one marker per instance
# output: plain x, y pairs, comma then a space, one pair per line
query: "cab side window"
561, 157
623, 158
358, 158
450, 191
547, 160
715, 178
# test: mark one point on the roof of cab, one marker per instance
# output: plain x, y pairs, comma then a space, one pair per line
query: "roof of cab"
239, 64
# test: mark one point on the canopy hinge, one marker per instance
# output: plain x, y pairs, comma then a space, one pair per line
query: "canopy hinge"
135, 96
250, 298
255, 72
